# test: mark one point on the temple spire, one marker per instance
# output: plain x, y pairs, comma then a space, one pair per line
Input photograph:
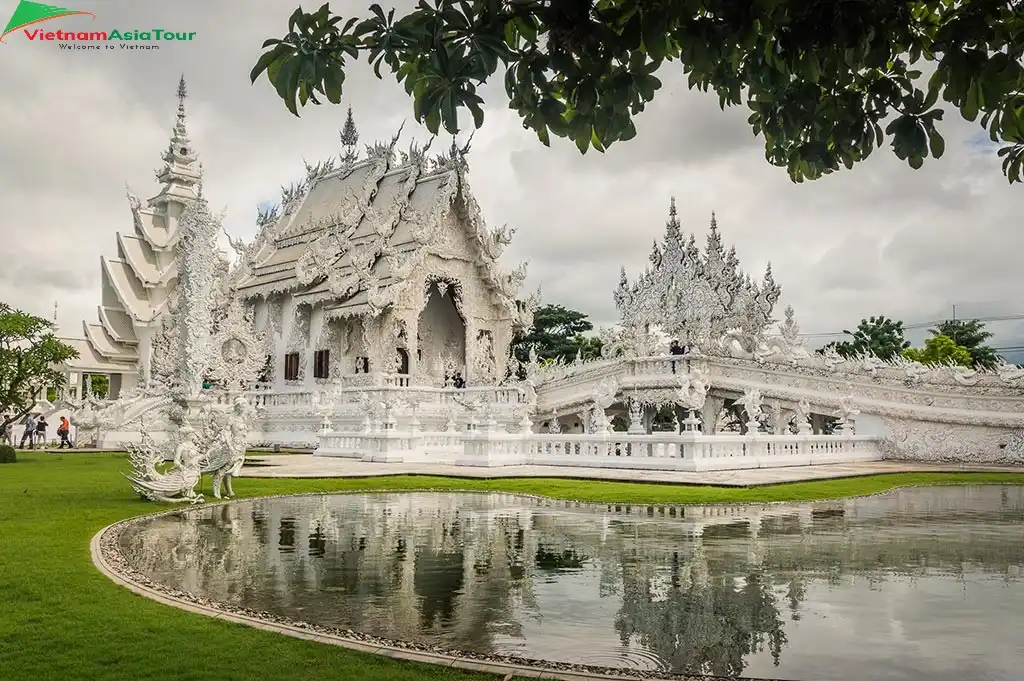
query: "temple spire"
179, 175
349, 135
182, 94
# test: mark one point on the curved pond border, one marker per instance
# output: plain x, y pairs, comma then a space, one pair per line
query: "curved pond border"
108, 559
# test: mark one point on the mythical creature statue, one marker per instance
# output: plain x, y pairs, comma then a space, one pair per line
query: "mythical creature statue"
630, 341
751, 402
693, 390
803, 416
152, 479
228, 433
847, 412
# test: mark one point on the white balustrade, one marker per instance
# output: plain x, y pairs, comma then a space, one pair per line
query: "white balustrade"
658, 451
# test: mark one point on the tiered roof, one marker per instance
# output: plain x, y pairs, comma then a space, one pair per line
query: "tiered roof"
352, 232
138, 281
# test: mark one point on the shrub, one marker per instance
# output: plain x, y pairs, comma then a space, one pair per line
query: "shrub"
7, 454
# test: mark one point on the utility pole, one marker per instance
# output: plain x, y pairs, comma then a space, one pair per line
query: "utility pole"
954, 312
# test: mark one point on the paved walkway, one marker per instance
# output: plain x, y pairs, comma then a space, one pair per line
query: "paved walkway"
308, 466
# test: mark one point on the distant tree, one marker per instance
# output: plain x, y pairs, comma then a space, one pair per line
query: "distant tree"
557, 333
970, 334
100, 385
879, 336
940, 350
825, 82
30, 356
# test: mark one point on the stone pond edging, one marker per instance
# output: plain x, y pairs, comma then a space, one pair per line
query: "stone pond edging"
106, 556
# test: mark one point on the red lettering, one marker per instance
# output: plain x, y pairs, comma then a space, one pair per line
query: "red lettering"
50, 36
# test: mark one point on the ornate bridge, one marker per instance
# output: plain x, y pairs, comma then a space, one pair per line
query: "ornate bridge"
922, 413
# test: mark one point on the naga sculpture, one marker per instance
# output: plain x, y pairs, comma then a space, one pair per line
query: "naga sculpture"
153, 479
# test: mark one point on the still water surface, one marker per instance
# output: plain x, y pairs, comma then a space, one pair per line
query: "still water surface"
922, 583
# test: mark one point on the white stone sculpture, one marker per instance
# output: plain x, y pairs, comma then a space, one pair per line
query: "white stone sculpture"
228, 435
847, 413
803, 416
696, 296
154, 480
751, 402
693, 390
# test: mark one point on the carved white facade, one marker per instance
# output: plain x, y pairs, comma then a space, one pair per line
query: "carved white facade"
369, 318
139, 282
383, 265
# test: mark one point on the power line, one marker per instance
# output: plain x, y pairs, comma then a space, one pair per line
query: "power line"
924, 325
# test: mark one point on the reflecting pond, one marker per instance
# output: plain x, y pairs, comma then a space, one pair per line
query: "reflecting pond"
918, 583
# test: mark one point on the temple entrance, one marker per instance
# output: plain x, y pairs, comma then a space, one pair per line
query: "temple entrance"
403, 360
442, 333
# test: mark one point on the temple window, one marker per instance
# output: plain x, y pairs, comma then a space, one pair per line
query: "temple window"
291, 366
321, 364
362, 365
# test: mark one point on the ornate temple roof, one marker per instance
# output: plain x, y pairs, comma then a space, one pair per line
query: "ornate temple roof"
695, 295
349, 235
137, 281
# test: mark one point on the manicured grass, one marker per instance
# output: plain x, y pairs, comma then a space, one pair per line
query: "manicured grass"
61, 619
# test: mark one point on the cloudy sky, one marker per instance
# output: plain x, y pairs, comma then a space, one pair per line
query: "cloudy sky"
880, 239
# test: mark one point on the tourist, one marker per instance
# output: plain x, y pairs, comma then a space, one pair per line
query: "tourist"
8, 430
41, 431
458, 382
674, 348
64, 431
30, 433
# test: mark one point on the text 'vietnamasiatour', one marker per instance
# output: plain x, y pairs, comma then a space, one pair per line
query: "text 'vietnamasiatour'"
107, 36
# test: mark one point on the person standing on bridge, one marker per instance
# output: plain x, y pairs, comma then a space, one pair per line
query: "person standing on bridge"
675, 348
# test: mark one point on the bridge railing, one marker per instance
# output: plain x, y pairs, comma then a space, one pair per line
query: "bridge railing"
658, 451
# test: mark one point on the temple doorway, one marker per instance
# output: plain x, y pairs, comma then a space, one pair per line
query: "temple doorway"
442, 332
403, 360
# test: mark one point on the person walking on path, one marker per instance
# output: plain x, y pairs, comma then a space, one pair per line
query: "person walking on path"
29, 434
64, 431
41, 432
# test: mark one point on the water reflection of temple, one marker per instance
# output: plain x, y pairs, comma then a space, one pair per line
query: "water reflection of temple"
700, 587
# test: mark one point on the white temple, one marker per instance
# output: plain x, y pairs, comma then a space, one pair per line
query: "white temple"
370, 319
383, 265
137, 284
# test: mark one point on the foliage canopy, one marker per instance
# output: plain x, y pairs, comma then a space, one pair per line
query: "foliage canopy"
971, 335
826, 82
879, 336
557, 333
940, 350
29, 355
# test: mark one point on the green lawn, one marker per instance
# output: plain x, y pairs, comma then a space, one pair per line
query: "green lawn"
61, 619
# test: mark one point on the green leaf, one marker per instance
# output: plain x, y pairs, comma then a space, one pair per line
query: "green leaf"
287, 82
268, 58
937, 144
334, 79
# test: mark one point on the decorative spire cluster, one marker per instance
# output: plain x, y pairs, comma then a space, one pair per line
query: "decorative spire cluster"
179, 157
349, 140
692, 295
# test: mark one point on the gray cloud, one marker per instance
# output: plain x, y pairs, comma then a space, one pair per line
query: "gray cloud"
881, 239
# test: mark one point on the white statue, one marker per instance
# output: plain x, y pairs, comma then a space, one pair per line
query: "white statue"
803, 416
693, 390
847, 413
226, 456
177, 483
751, 402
